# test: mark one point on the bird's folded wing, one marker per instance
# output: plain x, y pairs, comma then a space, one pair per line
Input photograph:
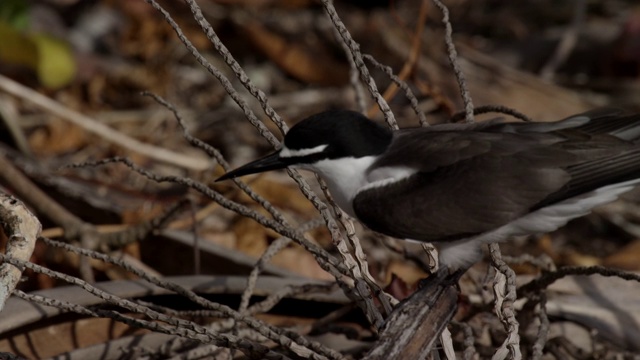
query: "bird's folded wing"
471, 182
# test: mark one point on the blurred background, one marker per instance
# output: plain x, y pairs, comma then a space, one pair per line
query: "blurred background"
547, 59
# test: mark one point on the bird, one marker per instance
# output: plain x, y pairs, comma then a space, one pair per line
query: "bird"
463, 185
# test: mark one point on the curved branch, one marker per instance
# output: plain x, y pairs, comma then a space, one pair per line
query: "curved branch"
21, 229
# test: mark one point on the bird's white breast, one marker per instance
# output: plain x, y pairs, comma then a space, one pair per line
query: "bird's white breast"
346, 177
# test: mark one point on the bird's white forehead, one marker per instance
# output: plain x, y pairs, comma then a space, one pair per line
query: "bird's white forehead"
285, 152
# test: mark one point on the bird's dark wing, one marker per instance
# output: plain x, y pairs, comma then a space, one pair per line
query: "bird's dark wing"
609, 121
479, 178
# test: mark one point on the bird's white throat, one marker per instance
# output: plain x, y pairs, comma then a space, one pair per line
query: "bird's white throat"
344, 177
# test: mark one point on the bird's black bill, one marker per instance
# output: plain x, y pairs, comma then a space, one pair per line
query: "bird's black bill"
267, 163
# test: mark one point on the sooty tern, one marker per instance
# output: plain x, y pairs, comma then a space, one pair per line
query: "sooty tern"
464, 185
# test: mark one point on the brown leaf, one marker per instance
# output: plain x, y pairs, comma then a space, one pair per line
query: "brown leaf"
39, 343
626, 258
296, 59
281, 195
398, 288
575, 258
58, 138
405, 270
296, 259
252, 238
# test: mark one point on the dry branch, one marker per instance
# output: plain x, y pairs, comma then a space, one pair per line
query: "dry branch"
157, 153
416, 324
21, 228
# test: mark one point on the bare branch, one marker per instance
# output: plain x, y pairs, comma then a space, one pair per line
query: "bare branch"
271, 251
469, 348
354, 74
493, 108
415, 325
453, 59
240, 74
354, 49
328, 262
103, 131
21, 229
549, 277
543, 330
235, 66
504, 287
403, 85
215, 153
188, 329
280, 336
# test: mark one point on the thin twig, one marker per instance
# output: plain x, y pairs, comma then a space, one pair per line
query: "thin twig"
328, 262
543, 261
505, 295
543, 331
549, 277
278, 335
469, 348
403, 85
264, 259
354, 49
359, 266
119, 239
262, 129
157, 153
217, 155
235, 66
409, 65
354, 74
453, 59
186, 329
224, 81
289, 291
493, 108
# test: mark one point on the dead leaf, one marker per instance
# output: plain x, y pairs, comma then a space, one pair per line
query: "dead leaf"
406, 271
398, 288
545, 244
626, 258
41, 343
50, 58
59, 137
575, 258
296, 259
302, 62
281, 195
252, 238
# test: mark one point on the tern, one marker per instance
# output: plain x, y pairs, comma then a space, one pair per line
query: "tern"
460, 186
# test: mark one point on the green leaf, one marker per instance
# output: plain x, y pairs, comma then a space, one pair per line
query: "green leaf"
56, 65
51, 58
